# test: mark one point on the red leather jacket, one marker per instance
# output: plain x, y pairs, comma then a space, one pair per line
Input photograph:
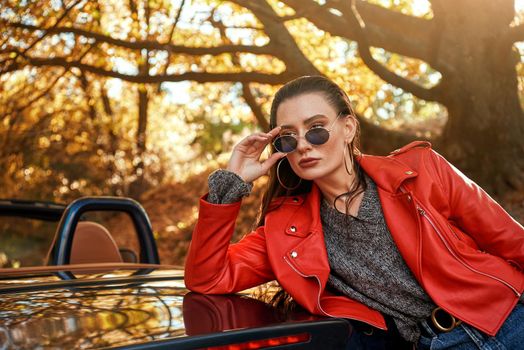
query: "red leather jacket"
462, 247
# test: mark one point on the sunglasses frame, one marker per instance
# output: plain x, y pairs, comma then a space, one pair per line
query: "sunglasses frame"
296, 137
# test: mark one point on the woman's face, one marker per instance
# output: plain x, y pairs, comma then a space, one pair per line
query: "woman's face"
299, 114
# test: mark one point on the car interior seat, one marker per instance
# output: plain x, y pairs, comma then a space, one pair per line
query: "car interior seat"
92, 243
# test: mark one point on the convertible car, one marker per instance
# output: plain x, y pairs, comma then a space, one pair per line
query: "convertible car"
89, 293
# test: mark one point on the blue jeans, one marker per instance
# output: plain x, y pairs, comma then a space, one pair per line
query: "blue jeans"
464, 337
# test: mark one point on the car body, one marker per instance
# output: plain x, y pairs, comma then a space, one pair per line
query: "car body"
142, 305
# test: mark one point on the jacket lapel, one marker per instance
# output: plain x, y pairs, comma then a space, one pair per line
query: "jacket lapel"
387, 172
398, 205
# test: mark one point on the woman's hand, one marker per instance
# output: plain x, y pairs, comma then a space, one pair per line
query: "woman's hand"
245, 159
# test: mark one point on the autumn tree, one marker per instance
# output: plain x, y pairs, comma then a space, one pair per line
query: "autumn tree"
468, 44
471, 43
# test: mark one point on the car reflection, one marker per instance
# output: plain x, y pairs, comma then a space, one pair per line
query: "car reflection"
96, 318
90, 318
214, 313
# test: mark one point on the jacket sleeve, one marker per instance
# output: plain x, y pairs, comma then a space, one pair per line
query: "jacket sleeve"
479, 215
213, 265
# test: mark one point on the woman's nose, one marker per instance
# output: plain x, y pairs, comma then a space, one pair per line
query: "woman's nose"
302, 144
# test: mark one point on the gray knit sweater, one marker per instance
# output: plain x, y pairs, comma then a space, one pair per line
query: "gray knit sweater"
367, 266
365, 262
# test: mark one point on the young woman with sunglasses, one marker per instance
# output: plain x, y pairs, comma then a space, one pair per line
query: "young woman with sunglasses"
403, 244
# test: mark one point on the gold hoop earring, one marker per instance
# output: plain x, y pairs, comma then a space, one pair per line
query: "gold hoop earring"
349, 169
280, 181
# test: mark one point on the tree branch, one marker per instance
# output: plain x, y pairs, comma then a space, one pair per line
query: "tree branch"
319, 15
385, 28
246, 91
59, 19
40, 38
170, 38
150, 45
41, 94
382, 71
201, 77
175, 22
255, 107
17, 112
281, 40
395, 79
84, 84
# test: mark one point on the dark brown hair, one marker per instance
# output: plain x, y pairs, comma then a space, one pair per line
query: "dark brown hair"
339, 100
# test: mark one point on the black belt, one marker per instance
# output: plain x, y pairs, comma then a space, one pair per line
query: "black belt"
441, 321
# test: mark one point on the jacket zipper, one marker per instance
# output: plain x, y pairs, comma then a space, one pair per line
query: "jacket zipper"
423, 213
319, 288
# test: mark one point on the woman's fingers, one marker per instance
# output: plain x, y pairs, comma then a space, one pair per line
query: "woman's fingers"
274, 132
245, 159
256, 143
268, 163
254, 139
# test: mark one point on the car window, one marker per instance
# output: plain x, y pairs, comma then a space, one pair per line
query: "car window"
24, 242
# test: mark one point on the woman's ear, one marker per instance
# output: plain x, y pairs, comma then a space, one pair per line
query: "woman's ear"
350, 128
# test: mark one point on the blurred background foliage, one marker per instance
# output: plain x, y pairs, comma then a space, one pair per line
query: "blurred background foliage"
144, 98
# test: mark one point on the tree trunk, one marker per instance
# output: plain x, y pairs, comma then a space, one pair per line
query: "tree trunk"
139, 185
484, 133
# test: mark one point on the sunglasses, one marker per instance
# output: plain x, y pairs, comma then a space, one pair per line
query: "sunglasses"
316, 136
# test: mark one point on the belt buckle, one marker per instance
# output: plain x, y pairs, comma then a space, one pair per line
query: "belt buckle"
453, 321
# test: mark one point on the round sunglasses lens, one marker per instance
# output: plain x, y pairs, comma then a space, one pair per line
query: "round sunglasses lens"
317, 136
285, 144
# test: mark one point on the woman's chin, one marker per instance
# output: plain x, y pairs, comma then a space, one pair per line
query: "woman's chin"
312, 174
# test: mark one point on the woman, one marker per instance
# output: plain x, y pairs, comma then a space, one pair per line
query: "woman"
403, 242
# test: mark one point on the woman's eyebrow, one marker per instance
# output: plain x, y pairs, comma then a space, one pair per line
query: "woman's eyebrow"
313, 118
307, 121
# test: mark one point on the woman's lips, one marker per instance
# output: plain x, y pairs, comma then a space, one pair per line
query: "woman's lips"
308, 162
